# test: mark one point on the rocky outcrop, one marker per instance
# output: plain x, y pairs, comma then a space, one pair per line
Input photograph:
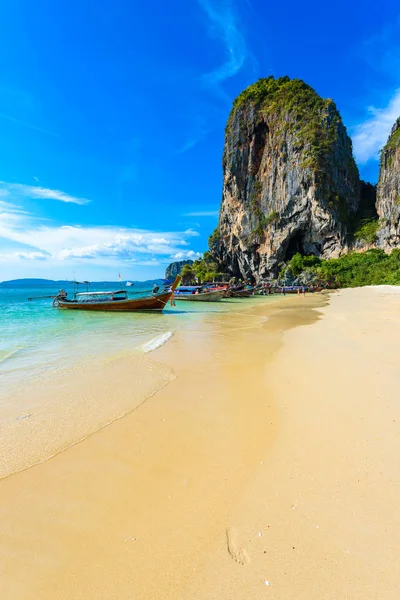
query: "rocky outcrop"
290, 182
388, 196
175, 268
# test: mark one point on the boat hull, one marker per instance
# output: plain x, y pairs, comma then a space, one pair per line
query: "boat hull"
241, 293
149, 303
204, 297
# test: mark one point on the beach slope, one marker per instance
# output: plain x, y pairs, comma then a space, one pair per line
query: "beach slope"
267, 468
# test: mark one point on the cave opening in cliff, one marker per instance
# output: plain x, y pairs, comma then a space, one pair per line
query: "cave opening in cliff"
296, 244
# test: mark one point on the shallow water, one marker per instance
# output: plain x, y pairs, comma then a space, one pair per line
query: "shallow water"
36, 337
60, 370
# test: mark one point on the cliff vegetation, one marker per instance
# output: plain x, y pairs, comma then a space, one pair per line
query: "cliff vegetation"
283, 97
175, 268
202, 270
373, 267
292, 199
388, 195
290, 180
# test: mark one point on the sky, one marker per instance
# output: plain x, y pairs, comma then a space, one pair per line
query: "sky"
112, 117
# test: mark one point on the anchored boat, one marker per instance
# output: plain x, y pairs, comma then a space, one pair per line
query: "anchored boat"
241, 292
198, 293
115, 300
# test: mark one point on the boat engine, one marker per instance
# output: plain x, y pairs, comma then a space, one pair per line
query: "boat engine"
62, 294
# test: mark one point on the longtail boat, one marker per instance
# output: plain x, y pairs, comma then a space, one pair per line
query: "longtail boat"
115, 300
241, 293
290, 289
199, 293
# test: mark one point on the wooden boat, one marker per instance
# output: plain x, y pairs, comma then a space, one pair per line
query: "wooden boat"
116, 301
198, 293
241, 293
289, 289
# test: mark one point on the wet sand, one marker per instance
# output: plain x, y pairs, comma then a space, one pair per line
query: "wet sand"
62, 408
267, 468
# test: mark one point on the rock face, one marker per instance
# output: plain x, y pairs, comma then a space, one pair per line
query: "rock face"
290, 182
175, 268
388, 196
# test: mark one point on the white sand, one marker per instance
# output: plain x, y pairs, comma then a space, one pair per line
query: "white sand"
267, 469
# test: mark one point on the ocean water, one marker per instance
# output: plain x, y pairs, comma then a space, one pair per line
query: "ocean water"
36, 337
45, 351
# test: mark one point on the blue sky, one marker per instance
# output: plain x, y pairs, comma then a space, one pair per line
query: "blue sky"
112, 117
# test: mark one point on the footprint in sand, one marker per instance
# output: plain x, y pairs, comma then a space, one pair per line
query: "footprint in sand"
236, 551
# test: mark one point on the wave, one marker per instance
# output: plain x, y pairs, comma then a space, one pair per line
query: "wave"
156, 342
8, 354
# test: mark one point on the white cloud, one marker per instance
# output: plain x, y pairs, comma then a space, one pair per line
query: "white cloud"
371, 135
32, 255
224, 26
382, 53
19, 190
12, 216
186, 254
154, 262
199, 134
123, 244
202, 213
191, 232
382, 50
23, 237
203, 113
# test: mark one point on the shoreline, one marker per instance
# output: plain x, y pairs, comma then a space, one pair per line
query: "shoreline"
225, 479
68, 407
65, 406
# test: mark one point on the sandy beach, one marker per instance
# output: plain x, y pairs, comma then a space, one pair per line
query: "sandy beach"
267, 467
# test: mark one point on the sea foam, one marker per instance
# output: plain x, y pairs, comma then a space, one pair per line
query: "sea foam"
8, 354
156, 342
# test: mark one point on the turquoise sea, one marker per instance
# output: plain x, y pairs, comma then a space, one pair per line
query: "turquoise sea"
34, 336
45, 351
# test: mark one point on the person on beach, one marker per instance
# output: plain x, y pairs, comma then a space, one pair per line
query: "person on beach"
303, 290
172, 300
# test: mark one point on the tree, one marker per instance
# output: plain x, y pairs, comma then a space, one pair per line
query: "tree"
188, 274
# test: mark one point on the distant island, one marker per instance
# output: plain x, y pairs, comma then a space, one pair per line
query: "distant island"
31, 282
175, 268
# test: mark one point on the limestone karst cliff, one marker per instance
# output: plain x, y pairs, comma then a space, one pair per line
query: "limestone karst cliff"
290, 182
175, 268
388, 196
